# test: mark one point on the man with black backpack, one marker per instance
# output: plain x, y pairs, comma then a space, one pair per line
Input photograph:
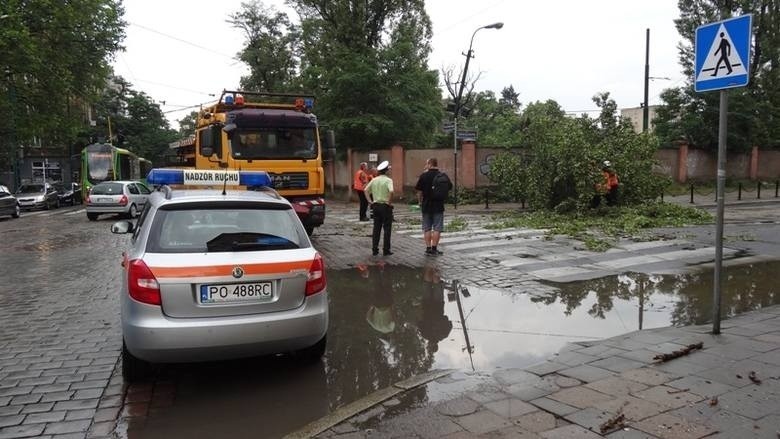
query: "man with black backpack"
432, 188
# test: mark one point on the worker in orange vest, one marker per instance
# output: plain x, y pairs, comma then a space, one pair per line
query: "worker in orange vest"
608, 189
359, 182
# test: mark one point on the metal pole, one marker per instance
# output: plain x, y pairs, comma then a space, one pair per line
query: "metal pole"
645, 109
716, 293
458, 98
15, 149
455, 151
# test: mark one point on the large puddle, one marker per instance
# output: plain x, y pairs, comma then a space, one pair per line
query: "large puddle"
389, 323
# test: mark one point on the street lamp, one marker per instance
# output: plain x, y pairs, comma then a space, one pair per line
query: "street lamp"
458, 98
15, 154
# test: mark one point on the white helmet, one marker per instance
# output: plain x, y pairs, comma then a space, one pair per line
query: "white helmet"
607, 164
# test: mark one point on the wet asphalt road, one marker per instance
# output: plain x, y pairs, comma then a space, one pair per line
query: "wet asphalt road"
60, 340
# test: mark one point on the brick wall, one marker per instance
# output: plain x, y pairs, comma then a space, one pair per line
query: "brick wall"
681, 164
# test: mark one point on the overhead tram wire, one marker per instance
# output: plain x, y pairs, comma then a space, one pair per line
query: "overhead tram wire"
175, 87
181, 40
470, 16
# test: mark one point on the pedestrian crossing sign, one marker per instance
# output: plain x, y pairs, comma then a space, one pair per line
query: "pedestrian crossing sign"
722, 54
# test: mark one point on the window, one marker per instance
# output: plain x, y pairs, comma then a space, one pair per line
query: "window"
274, 143
132, 189
144, 190
107, 189
185, 230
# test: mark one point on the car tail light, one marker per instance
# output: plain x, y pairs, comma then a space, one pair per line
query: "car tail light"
141, 283
316, 281
123, 200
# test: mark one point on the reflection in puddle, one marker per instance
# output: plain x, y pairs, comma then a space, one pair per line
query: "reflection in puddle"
406, 315
389, 323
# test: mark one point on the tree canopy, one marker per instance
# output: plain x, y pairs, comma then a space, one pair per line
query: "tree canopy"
753, 110
132, 119
365, 60
54, 60
560, 163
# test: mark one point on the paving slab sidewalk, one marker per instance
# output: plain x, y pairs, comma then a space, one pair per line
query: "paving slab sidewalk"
730, 388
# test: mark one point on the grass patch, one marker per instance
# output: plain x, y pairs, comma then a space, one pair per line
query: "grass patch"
597, 227
456, 224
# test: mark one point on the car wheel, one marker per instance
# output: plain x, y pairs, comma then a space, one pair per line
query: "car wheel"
133, 211
309, 230
312, 354
17, 212
92, 216
134, 369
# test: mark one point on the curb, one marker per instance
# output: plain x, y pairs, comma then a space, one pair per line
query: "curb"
345, 412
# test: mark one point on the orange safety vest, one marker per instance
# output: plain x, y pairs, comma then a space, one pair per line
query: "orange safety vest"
361, 178
612, 180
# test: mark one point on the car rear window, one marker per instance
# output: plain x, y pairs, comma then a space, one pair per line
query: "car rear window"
226, 229
107, 189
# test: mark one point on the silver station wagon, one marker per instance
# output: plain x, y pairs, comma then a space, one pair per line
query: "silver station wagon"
214, 274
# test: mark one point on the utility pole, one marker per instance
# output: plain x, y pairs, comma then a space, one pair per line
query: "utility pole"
458, 97
645, 108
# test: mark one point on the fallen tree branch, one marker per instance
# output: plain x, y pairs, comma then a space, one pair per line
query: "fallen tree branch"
661, 358
677, 391
614, 423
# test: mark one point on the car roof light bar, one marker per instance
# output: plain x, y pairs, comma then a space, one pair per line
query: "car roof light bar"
208, 177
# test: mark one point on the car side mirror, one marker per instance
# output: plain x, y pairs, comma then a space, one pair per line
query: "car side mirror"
122, 227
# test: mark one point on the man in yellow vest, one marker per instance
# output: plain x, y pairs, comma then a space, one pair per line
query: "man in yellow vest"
379, 192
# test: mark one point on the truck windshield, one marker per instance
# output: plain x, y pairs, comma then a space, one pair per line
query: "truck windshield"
274, 143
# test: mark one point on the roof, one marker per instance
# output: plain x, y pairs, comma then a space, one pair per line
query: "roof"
231, 195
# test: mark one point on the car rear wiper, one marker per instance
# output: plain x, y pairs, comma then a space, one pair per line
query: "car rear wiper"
246, 241
246, 246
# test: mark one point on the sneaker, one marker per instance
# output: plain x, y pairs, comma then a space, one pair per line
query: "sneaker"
375, 252
437, 252
387, 253
428, 251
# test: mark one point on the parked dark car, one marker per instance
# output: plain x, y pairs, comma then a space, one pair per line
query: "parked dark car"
8, 203
70, 194
37, 196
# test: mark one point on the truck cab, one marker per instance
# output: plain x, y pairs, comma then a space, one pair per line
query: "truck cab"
276, 133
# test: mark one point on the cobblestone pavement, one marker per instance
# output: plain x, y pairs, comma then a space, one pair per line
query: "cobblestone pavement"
612, 388
589, 384
60, 337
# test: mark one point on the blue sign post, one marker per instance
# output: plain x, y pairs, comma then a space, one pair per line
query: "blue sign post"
722, 53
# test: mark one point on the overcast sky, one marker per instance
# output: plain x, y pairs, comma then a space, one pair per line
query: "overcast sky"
180, 51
